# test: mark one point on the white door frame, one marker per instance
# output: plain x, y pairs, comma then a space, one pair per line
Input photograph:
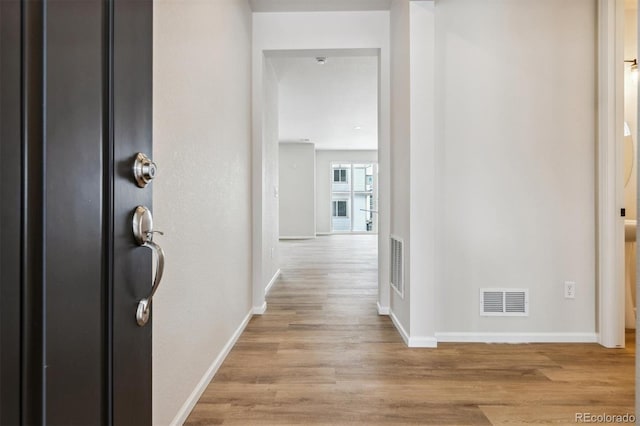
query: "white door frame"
610, 192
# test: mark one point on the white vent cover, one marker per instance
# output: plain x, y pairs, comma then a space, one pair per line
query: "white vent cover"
504, 302
397, 265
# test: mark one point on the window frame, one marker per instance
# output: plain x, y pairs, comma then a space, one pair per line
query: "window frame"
336, 210
341, 172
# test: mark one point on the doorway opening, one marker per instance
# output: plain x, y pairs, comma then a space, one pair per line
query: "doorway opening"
325, 107
629, 152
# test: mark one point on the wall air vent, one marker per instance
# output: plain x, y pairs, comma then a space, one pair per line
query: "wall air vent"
504, 302
397, 265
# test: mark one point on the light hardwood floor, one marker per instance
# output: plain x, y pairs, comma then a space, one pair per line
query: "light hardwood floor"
322, 355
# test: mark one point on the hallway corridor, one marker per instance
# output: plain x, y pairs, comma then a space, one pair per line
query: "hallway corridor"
322, 355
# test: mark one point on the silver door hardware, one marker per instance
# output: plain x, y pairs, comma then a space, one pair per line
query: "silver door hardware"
144, 170
143, 233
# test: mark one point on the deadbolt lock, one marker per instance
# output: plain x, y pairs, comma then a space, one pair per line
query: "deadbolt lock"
144, 170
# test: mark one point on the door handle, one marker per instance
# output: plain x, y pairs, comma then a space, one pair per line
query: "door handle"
143, 233
144, 305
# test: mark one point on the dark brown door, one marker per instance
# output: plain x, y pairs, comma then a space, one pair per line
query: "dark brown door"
75, 108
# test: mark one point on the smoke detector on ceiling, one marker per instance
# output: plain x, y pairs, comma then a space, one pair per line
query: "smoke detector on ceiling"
321, 60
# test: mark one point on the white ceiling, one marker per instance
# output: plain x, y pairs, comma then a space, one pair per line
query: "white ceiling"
317, 5
334, 105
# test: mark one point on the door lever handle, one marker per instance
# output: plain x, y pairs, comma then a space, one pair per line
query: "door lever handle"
142, 313
143, 233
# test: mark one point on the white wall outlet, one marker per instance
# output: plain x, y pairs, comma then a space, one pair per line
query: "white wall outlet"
273, 250
569, 290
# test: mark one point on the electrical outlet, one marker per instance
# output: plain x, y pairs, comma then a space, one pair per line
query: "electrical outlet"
569, 290
273, 250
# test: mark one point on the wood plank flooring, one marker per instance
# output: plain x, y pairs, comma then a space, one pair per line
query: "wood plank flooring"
321, 355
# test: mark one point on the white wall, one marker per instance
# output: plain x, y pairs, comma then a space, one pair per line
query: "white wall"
297, 190
312, 31
401, 150
270, 229
324, 158
516, 113
414, 169
202, 137
424, 178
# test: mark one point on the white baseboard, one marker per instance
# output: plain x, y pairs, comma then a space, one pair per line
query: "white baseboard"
308, 237
352, 233
517, 337
382, 310
272, 282
188, 405
399, 327
423, 342
259, 310
322, 234
413, 341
